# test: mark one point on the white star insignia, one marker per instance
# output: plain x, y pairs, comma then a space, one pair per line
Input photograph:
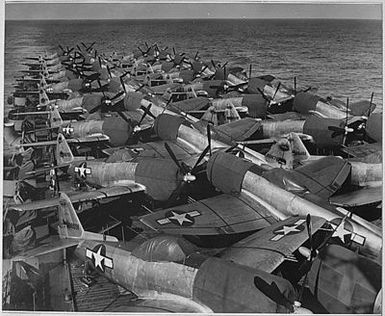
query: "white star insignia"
98, 259
181, 218
340, 231
68, 130
288, 229
83, 171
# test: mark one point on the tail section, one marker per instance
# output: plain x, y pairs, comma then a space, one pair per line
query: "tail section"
55, 117
280, 154
288, 151
70, 225
43, 97
64, 154
299, 150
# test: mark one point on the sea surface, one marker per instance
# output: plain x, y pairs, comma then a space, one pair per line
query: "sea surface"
341, 58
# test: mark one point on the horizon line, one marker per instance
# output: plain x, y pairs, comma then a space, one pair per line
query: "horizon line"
201, 18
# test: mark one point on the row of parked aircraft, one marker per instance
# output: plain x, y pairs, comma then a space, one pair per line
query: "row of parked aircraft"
160, 125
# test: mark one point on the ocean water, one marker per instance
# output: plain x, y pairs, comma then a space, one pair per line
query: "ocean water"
341, 58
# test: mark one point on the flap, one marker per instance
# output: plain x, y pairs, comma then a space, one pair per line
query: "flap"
222, 214
360, 197
269, 247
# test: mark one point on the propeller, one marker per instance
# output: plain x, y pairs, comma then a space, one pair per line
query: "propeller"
313, 252
187, 172
106, 102
342, 131
295, 92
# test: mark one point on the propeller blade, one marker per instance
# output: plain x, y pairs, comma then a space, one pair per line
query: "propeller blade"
276, 90
95, 109
100, 87
123, 85
370, 104
117, 95
209, 138
309, 232
109, 71
172, 155
90, 47
263, 95
147, 111
124, 117
250, 68
202, 155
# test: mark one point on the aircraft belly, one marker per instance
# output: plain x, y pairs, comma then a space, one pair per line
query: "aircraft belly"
103, 173
364, 174
67, 105
59, 87
84, 129
276, 129
140, 276
329, 111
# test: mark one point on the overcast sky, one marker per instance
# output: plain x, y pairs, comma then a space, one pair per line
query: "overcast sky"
76, 10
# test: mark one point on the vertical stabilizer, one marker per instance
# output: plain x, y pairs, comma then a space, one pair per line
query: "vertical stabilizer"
43, 97
55, 117
69, 223
299, 150
63, 151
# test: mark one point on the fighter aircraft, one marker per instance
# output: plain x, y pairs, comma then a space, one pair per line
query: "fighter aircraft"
199, 283
261, 196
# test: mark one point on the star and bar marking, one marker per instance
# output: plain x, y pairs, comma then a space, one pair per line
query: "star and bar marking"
68, 130
285, 230
179, 217
99, 258
340, 231
83, 171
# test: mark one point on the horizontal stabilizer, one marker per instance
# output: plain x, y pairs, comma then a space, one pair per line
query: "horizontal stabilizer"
365, 196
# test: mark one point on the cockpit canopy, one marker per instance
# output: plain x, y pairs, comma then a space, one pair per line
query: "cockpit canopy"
164, 248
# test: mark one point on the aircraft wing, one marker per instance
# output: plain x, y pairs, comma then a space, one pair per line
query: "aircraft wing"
238, 130
85, 140
362, 151
364, 196
48, 245
324, 176
222, 214
269, 247
103, 193
157, 303
80, 197
193, 104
